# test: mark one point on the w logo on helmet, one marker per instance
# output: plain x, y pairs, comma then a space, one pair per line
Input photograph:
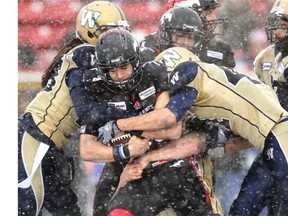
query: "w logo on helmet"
89, 17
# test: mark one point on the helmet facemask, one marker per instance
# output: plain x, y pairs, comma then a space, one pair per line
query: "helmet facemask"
271, 26
121, 86
100, 29
273, 23
194, 33
214, 27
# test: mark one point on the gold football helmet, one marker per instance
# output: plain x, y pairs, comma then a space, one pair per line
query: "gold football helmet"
280, 7
278, 12
175, 55
97, 17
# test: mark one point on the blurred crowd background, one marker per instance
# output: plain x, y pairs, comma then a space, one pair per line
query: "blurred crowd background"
45, 26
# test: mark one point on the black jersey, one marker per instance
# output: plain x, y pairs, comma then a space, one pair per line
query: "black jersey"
212, 51
149, 47
141, 99
218, 52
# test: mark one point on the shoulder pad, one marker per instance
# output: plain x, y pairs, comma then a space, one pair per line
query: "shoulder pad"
84, 56
157, 74
93, 82
183, 74
147, 54
220, 53
154, 69
149, 40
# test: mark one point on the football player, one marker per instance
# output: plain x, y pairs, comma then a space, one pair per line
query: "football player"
213, 50
270, 64
45, 173
219, 94
121, 80
181, 26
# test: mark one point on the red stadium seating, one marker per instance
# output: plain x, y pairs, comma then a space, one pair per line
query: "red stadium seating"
45, 24
43, 13
149, 12
43, 36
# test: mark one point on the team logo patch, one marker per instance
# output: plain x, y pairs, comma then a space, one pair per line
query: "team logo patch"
266, 66
146, 93
179, 163
119, 105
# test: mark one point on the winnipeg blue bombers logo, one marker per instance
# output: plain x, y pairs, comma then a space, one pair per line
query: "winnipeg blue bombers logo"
175, 78
89, 17
170, 59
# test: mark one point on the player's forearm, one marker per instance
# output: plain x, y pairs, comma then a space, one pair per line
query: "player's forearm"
177, 149
173, 132
168, 152
93, 151
156, 119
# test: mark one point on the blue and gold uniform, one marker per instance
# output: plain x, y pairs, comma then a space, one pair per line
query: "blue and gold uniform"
44, 130
45, 173
52, 109
271, 63
279, 72
50, 119
248, 108
263, 64
203, 166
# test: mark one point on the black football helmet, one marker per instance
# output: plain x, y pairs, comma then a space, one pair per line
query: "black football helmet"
180, 20
208, 4
116, 48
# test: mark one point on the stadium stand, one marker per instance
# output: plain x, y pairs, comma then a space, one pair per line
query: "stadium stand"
44, 27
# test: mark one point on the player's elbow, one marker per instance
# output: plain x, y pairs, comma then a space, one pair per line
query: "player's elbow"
195, 143
176, 131
168, 118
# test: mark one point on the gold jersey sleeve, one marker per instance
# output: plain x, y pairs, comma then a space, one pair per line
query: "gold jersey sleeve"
248, 107
263, 64
52, 108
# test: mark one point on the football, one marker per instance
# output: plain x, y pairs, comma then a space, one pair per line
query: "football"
120, 140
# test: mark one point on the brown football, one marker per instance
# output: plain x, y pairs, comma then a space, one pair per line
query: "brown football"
124, 139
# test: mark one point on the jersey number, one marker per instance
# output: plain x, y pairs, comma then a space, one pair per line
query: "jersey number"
234, 77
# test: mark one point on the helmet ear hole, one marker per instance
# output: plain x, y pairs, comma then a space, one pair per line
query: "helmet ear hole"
90, 35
